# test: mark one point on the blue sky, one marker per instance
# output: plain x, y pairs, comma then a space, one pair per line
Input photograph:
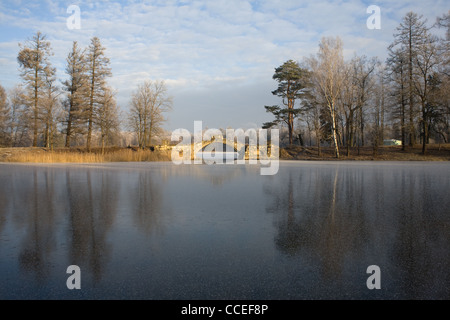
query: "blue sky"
217, 57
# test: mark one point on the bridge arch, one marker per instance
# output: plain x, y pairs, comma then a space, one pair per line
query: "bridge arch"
219, 146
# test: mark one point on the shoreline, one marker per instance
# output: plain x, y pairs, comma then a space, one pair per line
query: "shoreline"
290, 153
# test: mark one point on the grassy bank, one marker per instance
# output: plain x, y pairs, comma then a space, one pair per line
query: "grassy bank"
79, 155
115, 154
385, 153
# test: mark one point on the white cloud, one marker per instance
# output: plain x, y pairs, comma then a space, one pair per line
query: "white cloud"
217, 56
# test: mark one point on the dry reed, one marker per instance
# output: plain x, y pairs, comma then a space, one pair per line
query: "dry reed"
122, 155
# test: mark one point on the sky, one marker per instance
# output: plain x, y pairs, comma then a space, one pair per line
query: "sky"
217, 57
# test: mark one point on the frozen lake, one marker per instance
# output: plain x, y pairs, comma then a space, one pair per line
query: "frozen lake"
160, 231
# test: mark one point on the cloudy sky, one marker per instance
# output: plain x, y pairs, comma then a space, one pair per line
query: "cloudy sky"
216, 56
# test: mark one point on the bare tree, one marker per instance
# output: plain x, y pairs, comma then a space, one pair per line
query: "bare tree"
314, 107
361, 76
107, 117
427, 62
19, 115
442, 95
33, 60
98, 70
50, 106
328, 75
444, 22
379, 102
4, 118
397, 77
148, 104
410, 34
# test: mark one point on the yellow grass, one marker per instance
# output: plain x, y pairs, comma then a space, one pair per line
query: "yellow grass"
116, 154
58, 156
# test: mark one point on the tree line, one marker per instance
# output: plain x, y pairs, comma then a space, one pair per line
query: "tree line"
42, 111
361, 102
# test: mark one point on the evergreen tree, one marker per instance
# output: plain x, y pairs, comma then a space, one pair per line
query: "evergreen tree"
35, 67
76, 87
292, 84
98, 70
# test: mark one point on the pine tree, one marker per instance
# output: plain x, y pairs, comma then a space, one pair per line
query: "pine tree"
33, 59
98, 70
107, 117
292, 83
76, 87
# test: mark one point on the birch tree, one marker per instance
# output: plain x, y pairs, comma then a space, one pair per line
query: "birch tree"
328, 76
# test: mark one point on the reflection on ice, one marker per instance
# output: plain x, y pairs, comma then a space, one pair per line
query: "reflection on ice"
161, 231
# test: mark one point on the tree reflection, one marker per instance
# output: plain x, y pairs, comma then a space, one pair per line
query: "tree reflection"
39, 240
421, 245
147, 202
317, 215
5, 197
92, 209
342, 217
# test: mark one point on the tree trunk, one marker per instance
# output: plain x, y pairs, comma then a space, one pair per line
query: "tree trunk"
319, 151
103, 144
36, 114
91, 109
425, 129
290, 127
412, 136
89, 135
375, 143
47, 135
69, 131
333, 127
144, 135
402, 124
381, 136
349, 132
362, 127
69, 122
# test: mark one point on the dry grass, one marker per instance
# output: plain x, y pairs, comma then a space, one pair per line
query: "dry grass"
385, 153
115, 154
43, 155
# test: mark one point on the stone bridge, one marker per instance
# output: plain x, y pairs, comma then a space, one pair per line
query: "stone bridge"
240, 150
